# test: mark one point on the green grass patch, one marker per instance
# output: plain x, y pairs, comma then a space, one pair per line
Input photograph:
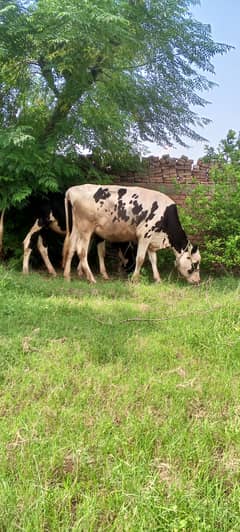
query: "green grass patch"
119, 405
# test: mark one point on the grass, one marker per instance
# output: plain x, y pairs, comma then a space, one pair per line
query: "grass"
119, 405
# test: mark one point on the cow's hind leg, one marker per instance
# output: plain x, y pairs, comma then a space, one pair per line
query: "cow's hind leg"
79, 269
141, 253
43, 250
101, 250
82, 251
28, 243
69, 248
152, 255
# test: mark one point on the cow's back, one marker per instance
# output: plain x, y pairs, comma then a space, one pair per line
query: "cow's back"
117, 213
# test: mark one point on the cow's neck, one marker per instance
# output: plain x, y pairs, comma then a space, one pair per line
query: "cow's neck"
172, 227
179, 242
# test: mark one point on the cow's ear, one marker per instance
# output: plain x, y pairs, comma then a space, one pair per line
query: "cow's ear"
194, 249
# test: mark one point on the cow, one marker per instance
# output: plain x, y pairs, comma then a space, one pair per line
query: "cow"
135, 214
50, 214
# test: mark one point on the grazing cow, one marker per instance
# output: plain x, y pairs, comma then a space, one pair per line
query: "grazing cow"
135, 214
50, 214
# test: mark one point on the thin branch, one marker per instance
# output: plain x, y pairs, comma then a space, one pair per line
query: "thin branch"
186, 315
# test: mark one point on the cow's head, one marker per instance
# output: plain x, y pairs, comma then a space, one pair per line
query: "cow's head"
188, 263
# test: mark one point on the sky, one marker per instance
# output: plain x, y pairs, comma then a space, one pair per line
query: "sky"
224, 109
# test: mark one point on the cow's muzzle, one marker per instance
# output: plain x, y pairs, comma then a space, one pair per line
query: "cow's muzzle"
194, 279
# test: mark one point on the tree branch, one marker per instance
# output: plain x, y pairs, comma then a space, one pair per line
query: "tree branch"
48, 75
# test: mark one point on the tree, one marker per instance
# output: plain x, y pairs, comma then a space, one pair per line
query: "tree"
100, 74
104, 73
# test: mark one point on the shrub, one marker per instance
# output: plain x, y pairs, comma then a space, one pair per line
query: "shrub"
213, 213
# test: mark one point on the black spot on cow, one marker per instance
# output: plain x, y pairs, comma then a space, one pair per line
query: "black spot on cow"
137, 207
193, 268
121, 192
159, 226
101, 194
194, 249
115, 219
153, 209
140, 217
148, 234
138, 212
121, 211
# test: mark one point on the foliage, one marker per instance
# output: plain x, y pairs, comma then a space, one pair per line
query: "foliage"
96, 74
213, 212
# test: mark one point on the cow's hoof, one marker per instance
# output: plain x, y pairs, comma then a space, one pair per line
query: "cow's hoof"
135, 279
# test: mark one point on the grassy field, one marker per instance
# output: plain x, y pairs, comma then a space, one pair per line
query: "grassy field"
119, 405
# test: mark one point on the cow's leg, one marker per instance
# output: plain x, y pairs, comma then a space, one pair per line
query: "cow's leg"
152, 255
101, 250
82, 251
141, 253
27, 245
43, 250
123, 261
70, 246
79, 269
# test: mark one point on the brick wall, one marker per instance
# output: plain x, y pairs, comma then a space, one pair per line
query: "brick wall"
175, 177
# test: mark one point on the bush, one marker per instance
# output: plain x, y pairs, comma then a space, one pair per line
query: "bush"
214, 213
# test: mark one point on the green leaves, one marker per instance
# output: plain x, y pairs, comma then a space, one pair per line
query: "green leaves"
99, 74
156, 48
214, 213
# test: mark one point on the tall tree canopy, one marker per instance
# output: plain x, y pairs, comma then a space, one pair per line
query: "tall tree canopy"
97, 73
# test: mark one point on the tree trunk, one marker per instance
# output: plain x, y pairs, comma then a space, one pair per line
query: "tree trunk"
1, 233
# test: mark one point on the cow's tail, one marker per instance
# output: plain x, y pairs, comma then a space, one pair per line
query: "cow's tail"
68, 216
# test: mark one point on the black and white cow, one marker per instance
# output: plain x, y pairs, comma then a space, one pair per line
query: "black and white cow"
49, 213
135, 214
